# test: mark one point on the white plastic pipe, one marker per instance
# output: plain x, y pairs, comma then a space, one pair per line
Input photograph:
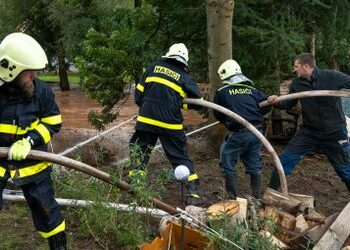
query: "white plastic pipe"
249, 126
311, 93
79, 145
84, 203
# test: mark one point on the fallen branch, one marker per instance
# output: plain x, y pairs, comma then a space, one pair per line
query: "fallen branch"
82, 167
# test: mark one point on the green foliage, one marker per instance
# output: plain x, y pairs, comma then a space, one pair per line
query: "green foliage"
113, 58
245, 234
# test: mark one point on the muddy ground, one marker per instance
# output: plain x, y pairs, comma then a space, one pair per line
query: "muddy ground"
313, 176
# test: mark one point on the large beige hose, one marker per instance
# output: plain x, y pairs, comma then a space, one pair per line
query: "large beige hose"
311, 93
82, 167
256, 132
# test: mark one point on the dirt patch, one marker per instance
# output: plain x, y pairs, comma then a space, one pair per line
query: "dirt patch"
313, 176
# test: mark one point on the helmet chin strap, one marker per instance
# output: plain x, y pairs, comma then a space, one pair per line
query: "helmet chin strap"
236, 79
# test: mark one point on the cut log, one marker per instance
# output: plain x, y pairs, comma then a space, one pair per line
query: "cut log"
276, 199
315, 233
307, 201
338, 232
241, 215
312, 215
221, 209
272, 213
285, 220
301, 224
274, 240
312, 235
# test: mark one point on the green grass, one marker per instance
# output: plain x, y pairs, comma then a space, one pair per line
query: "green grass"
74, 79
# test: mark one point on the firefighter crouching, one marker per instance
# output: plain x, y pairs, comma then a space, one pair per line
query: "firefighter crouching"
159, 95
29, 117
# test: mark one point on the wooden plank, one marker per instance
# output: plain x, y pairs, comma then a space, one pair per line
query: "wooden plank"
337, 233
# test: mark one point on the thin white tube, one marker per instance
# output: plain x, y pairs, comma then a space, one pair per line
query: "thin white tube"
84, 203
79, 145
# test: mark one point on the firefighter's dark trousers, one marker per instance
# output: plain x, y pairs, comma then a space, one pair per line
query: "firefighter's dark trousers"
335, 146
175, 148
47, 218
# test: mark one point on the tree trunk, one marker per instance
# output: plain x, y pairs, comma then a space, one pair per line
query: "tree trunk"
61, 55
219, 26
137, 3
62, 68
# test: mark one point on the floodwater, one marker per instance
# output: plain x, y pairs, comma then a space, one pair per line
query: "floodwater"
75, 107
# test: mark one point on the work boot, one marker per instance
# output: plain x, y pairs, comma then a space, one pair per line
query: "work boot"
58, 241
348, 185
231, 186
275, 180
2, 186
193, 197
256, 185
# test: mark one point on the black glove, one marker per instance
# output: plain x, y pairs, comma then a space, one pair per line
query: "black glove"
2, 186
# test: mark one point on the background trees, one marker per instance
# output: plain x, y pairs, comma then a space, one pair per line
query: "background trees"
112, 41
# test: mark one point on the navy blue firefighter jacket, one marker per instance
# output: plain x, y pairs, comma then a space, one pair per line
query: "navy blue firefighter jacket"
242, 99
37, 117
159, 95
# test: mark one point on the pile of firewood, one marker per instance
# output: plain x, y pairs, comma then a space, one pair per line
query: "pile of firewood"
300, 226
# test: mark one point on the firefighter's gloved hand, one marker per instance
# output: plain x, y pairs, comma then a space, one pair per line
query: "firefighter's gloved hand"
19, 150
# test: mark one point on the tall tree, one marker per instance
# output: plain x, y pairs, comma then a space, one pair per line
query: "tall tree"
219, 28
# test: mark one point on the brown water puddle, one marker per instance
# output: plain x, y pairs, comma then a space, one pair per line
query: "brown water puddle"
75, 107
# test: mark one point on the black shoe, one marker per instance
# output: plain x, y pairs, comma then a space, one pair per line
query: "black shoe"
275, 180
348, 185
58, 241
256, 185
231, 186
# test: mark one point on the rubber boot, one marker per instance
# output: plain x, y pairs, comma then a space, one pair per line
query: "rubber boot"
275, 180
2, 186
58, 241
231, 186
193, 197
256, 185
348, 185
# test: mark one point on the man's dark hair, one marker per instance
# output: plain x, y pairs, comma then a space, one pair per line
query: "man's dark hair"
306, 58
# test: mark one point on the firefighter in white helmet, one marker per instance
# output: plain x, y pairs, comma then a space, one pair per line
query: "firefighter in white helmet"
159, 95
29, 117
238, 95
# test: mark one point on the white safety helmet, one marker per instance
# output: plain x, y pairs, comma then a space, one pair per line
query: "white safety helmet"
19, 52
230, 73
229, 68
178, 51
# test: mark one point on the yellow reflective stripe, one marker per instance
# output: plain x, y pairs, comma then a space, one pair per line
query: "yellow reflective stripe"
15, 130
195, 195
140, 87
185, 106
192, 177
58, 229
30, 170
44, 132
2, 172
52, 120
159, 123
167, 83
